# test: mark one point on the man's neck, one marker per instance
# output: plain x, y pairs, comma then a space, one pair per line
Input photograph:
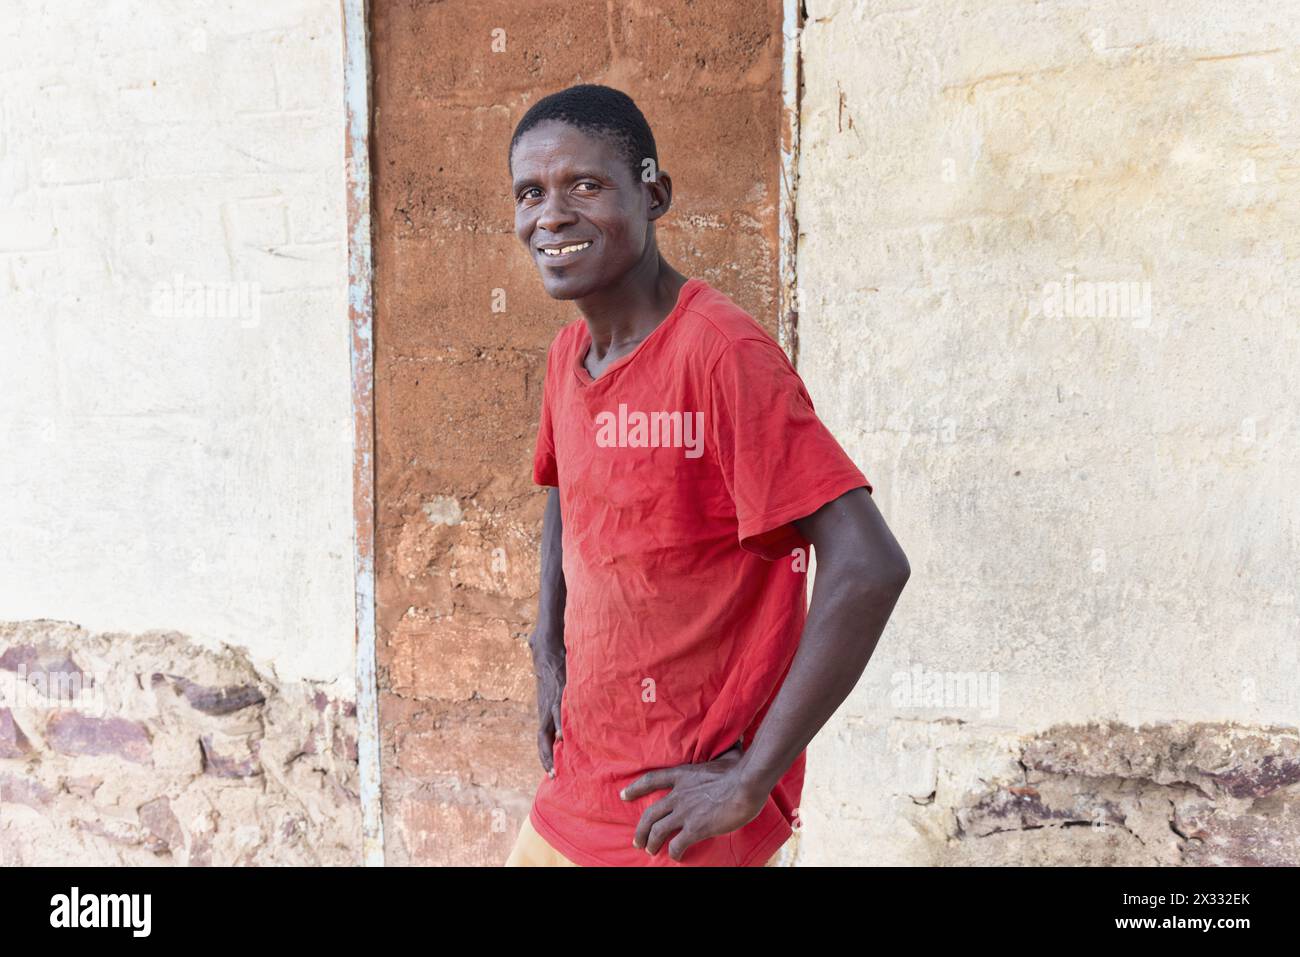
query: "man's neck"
620, 316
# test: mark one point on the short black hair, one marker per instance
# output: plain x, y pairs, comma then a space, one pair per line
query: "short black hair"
602, 110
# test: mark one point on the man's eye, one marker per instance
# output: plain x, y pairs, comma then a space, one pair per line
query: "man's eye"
593, 186
528, 193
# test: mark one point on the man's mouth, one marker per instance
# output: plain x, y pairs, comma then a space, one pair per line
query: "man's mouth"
569, 249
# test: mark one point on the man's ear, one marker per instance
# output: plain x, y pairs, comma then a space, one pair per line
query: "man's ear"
661, 195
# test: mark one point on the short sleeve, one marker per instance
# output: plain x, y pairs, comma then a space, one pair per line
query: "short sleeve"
779, 462
545, 471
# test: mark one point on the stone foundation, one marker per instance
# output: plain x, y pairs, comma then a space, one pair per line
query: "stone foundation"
1110, 794
150, 749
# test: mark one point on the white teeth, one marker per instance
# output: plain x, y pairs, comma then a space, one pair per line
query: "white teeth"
566, 249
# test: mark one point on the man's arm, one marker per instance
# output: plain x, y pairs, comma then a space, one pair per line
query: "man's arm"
861, 571
547, 639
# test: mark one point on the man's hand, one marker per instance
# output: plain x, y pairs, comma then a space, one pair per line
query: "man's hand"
704, 800
549, 667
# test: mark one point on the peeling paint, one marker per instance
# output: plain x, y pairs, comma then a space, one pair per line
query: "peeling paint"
787, 217
356, 82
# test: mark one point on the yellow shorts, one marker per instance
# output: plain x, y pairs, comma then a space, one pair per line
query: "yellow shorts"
531, 850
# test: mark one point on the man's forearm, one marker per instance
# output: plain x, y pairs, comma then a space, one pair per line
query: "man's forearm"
552, 593
846, 617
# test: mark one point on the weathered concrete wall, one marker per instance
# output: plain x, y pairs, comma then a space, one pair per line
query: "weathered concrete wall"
458, 384
1097, 497
177, 418
173, 467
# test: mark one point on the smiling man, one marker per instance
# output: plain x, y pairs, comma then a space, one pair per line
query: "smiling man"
680, 675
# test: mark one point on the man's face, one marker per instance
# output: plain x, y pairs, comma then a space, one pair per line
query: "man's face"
574, 189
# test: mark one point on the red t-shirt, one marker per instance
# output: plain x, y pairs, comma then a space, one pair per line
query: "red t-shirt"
680, 470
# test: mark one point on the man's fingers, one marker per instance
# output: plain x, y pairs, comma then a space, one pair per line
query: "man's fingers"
649, 782
545, 750
664, 827
685, 838
555, 717
649, 818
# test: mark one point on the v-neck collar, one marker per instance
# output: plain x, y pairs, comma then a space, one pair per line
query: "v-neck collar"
684, 296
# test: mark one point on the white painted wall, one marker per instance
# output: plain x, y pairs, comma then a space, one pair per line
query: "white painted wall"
171, 471
1100, 511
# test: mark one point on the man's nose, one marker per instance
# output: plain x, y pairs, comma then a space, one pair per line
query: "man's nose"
555, 212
